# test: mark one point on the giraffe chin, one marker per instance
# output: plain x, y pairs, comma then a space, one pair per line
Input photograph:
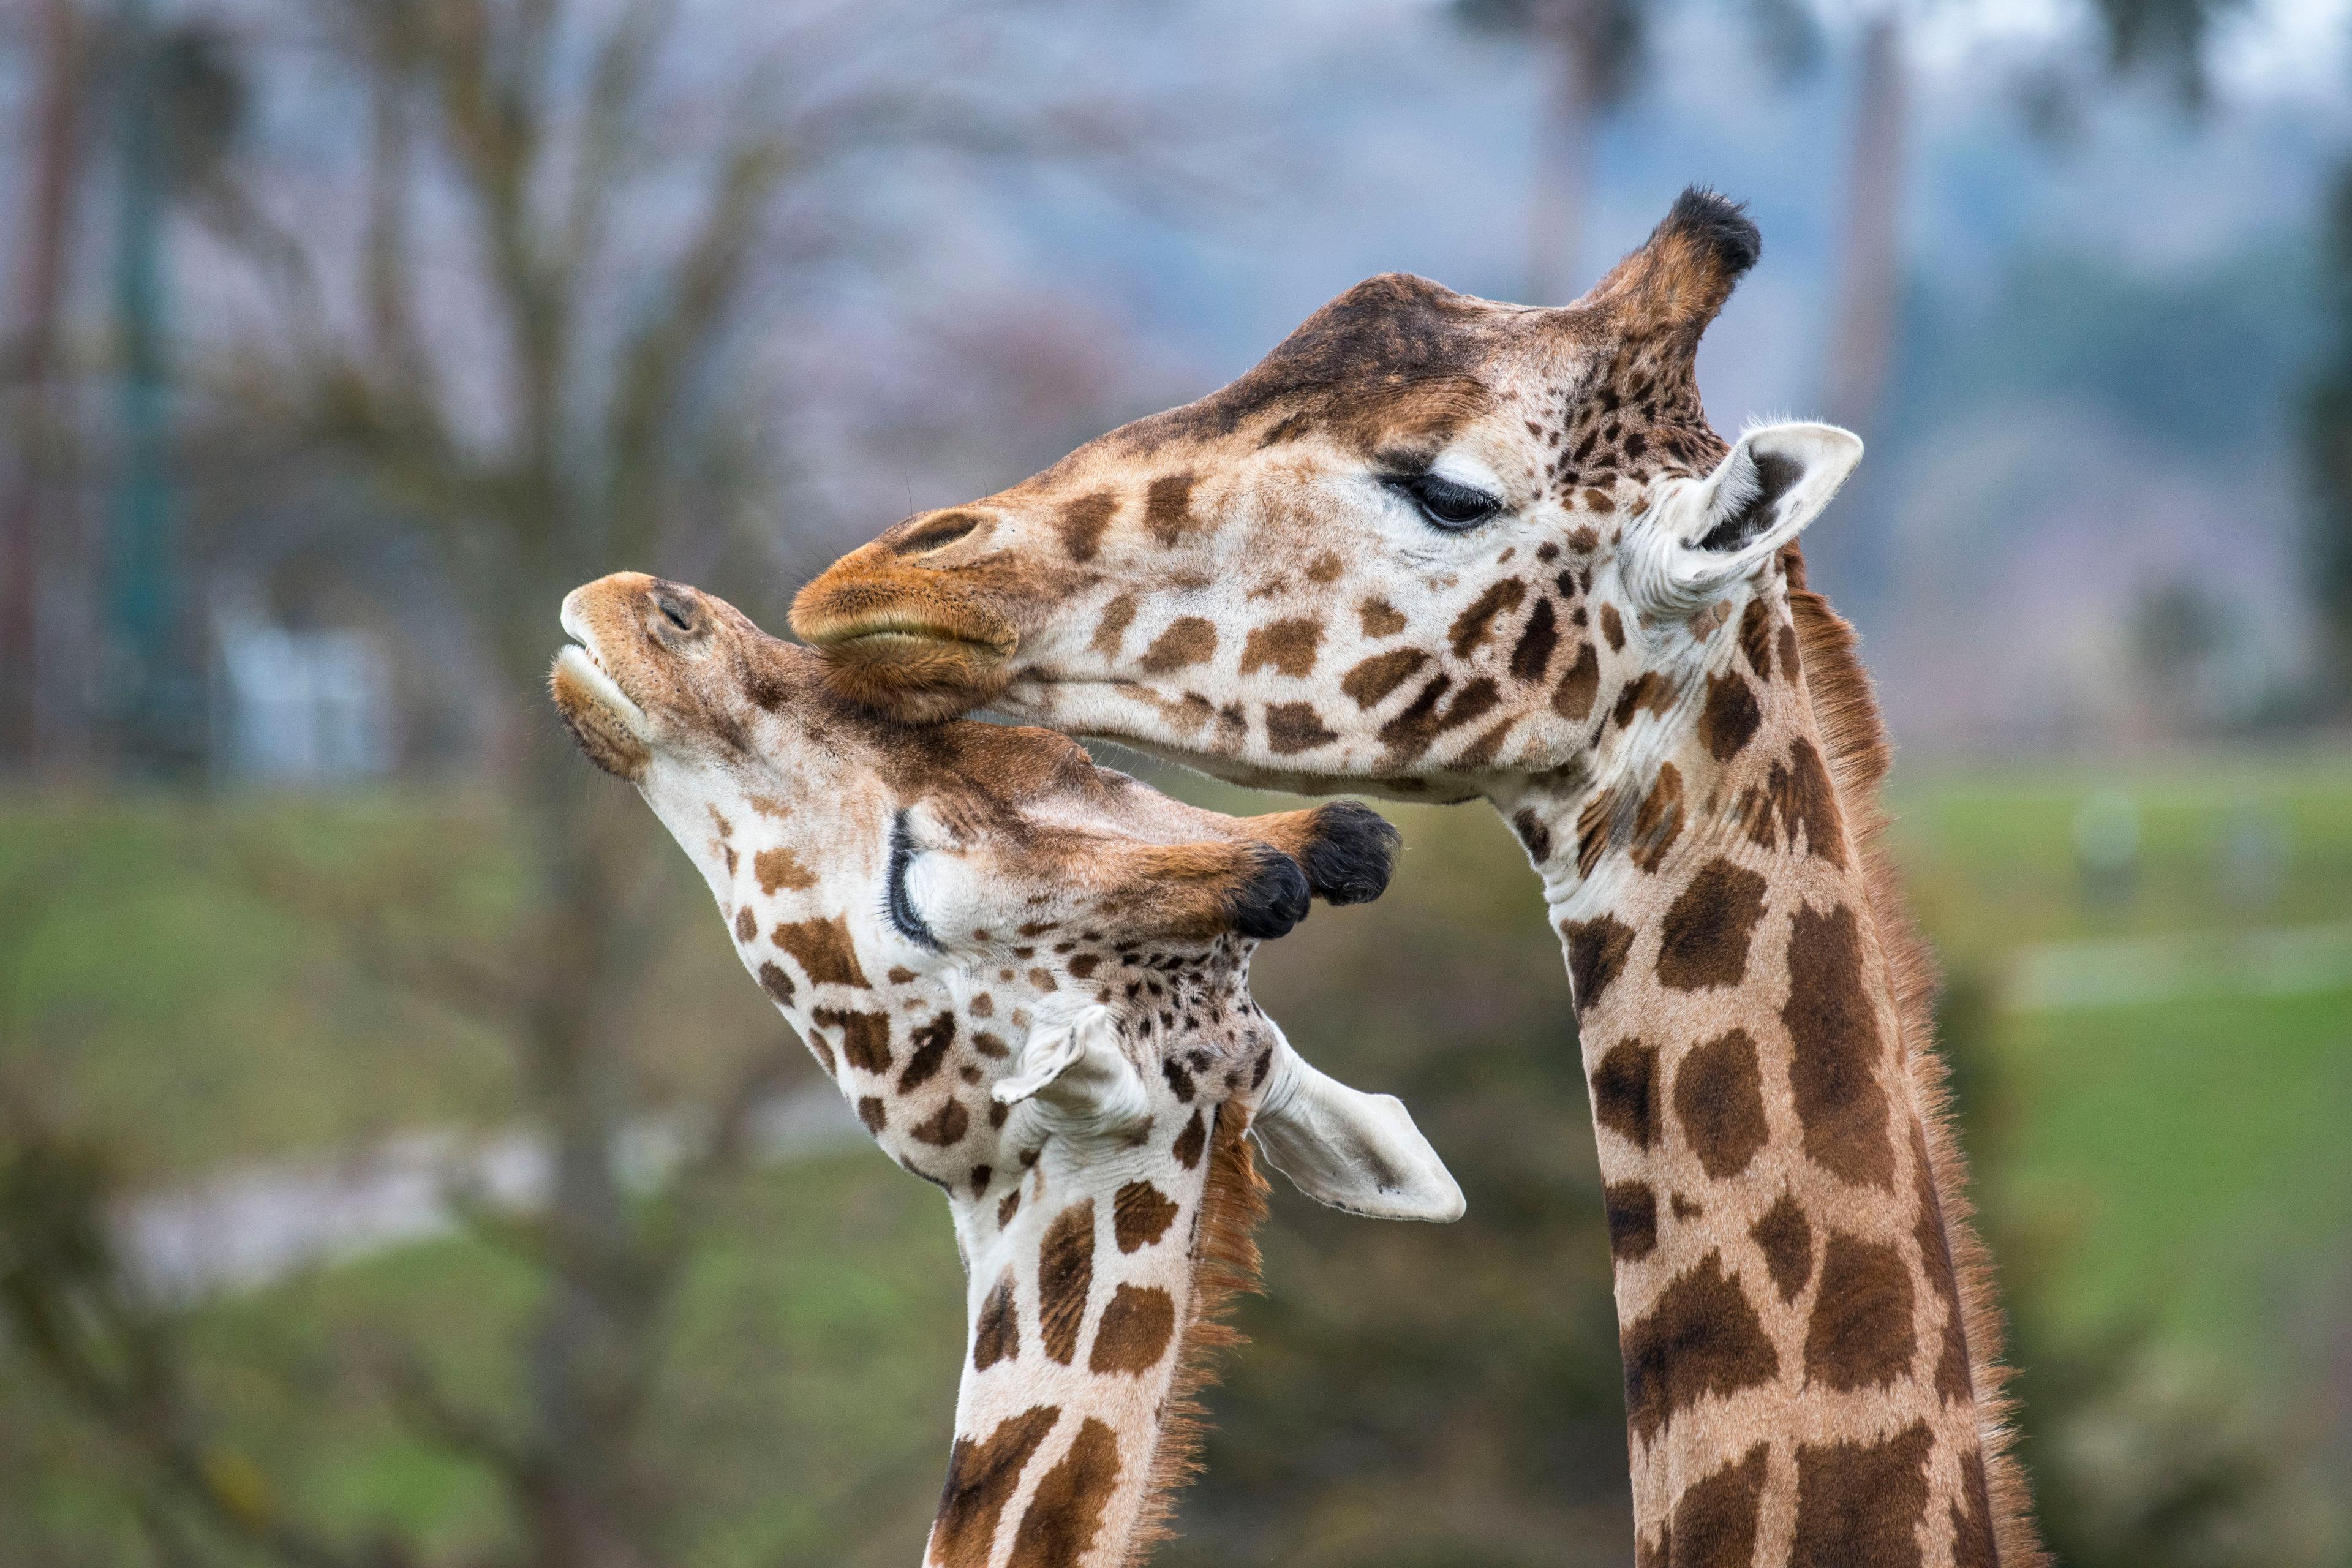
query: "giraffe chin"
602, 718
914, 678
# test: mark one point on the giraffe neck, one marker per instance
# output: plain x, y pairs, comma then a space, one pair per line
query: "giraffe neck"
1800, 1382
1095, 1290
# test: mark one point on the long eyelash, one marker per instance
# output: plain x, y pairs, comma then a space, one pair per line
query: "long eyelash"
896, 907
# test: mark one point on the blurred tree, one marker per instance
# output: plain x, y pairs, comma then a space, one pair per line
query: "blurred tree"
515, 364
1590, 53
2327, 454
27, 529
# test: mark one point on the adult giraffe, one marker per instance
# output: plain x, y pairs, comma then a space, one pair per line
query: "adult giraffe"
1438, 548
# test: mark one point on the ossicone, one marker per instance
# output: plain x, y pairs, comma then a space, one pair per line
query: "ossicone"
1678, 281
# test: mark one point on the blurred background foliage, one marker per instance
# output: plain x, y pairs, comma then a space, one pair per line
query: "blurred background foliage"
396, 1168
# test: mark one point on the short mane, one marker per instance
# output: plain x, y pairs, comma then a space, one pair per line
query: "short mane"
1845, 706
1225, 1267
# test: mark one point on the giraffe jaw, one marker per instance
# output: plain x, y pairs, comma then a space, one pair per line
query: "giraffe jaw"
613, 732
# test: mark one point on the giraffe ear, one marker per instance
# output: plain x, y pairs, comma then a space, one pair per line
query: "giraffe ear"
1353, 1151
1078, 1072
1703, 537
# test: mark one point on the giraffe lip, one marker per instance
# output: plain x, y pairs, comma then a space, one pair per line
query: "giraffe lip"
884, 630
580, 663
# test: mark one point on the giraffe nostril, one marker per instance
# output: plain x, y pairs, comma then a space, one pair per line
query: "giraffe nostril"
937, 531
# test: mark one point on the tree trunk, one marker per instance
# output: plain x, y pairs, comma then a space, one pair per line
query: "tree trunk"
599, 1334
1870, 266
40, 271
1563, 34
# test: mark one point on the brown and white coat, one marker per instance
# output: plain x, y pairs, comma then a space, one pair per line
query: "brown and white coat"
1029, 977
1440, 548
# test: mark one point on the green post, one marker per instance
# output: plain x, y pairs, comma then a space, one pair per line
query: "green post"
155, 696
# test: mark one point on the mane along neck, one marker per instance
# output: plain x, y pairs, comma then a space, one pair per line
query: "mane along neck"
1225, 1264
1845, 704
1097, 1309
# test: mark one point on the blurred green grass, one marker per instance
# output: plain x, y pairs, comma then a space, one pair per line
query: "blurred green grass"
2173, 1168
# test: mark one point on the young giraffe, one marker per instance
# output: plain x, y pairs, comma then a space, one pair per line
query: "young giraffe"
1440, 548
1029, 974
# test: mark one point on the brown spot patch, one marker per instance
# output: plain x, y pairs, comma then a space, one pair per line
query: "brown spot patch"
1579, 684
1953, 1379
1295, 727
1797, 796
1532, 833
1972, 1544
1326, 568
1863, 1502
1531, 655
1612, 626
1703, 940
982, 1478
1287, 646
1065, 1274
1066, 1512
1139, 1215
932, 1041
1730, 718
1756, 639
1188, 641
944, 1126
1596, 950
1483, 750
1781, 1234
1421, 721
823, 949
1137, 1324
1168, 507
776, 983
997, 1335
747, 929
1649, 690
1659, 821
1188, 1142
1861, 1333
1476, 624
1632, 1211
1700, 1338
1719, 1097
1110, 632
1376, 677
874, 1113
1082, 523
1789, 669
1834, 1069
779, 868
1379, 618
1715, 1519
1624, 1091
864, 1038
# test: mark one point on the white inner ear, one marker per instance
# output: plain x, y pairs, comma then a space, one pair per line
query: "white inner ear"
1353, 1151
1702, 538
1077, 1072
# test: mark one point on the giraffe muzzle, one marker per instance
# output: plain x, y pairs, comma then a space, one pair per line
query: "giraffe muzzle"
906, 642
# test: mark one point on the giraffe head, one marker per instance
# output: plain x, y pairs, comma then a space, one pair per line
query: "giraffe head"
1428, 539
988, 943
1029, 975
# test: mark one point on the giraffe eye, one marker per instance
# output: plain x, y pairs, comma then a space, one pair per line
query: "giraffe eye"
1448, 504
